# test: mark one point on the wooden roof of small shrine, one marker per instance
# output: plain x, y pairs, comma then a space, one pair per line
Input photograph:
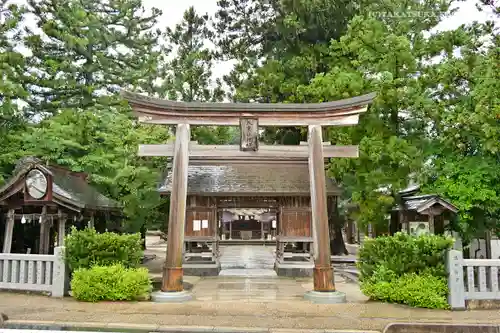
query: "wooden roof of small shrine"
420, 203
69, 189
412, 201
248, 179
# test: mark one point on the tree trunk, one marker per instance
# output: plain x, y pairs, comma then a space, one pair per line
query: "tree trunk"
335, 222
337, 244
143, 231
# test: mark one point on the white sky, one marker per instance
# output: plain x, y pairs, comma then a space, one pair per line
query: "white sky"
174, 9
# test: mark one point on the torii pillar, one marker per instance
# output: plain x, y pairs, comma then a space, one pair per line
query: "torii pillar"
324, 286
172, 288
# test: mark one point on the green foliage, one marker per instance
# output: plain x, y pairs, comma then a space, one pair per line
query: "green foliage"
403, 253
466, 149
406, 269
435, 115
418, 290
111, 283
475, 193
188, 76
82, 53
86, 248
104, 144
86, 49
12, 69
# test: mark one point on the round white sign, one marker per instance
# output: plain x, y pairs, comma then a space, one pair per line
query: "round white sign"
36, 183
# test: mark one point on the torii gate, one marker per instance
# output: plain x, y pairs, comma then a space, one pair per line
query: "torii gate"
249, 116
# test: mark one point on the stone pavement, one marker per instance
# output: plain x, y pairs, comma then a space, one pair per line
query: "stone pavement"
208, 310
247, 261
227, 301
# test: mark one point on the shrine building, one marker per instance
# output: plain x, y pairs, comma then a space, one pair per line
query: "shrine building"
40, 203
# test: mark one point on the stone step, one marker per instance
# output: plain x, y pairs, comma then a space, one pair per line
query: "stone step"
255, 272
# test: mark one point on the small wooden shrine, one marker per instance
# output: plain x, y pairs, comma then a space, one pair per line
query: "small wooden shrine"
421, 213
40, 202
295, 223
264, 202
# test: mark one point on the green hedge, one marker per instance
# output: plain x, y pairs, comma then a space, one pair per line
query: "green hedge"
405, 269
423, 291
86, 248
111, 283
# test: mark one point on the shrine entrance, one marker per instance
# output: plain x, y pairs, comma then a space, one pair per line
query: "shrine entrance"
206, 180
247, 224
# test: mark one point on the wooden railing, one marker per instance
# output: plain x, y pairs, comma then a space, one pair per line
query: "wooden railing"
34, 272
471, 279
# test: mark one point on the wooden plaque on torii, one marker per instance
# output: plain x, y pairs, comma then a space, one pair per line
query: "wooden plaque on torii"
249, 116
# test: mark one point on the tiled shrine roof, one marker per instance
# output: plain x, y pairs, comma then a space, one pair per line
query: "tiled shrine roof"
248, 179
68, 188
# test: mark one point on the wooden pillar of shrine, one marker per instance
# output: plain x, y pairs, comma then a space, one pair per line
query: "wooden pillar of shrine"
91, 223
323, 270
172, 271
431, 222
44, 244
9, 231
61, 228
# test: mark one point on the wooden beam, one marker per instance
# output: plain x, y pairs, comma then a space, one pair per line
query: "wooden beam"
172, 272
236, 161
231, 152
61, 228
203, 109
9, 230
91, 223
323, 271
228, 120
44, 239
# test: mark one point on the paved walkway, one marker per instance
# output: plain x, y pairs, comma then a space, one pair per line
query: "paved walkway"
238, 302
275, 314
247, 261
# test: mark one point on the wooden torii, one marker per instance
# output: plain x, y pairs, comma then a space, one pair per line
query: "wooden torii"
249, 117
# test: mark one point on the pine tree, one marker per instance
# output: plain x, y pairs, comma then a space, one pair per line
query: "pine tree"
12, 70
85, 50
188, 76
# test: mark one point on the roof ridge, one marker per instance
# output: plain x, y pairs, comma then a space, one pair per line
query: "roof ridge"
80, 174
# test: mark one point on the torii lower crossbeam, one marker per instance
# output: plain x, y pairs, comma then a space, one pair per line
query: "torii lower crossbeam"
233, 152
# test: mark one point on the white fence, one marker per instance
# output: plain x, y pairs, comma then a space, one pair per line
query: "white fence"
471, 279
34, 272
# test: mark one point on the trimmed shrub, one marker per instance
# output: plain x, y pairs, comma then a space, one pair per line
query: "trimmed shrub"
111, 283
406, 269
86, 248
423, 291
403, 253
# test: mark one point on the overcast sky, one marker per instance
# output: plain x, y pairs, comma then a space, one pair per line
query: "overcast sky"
174, 9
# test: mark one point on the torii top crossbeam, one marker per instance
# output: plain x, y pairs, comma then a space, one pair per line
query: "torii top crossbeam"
337, 113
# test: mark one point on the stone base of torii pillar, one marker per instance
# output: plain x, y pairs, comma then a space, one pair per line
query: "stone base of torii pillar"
325, 297
171, 297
